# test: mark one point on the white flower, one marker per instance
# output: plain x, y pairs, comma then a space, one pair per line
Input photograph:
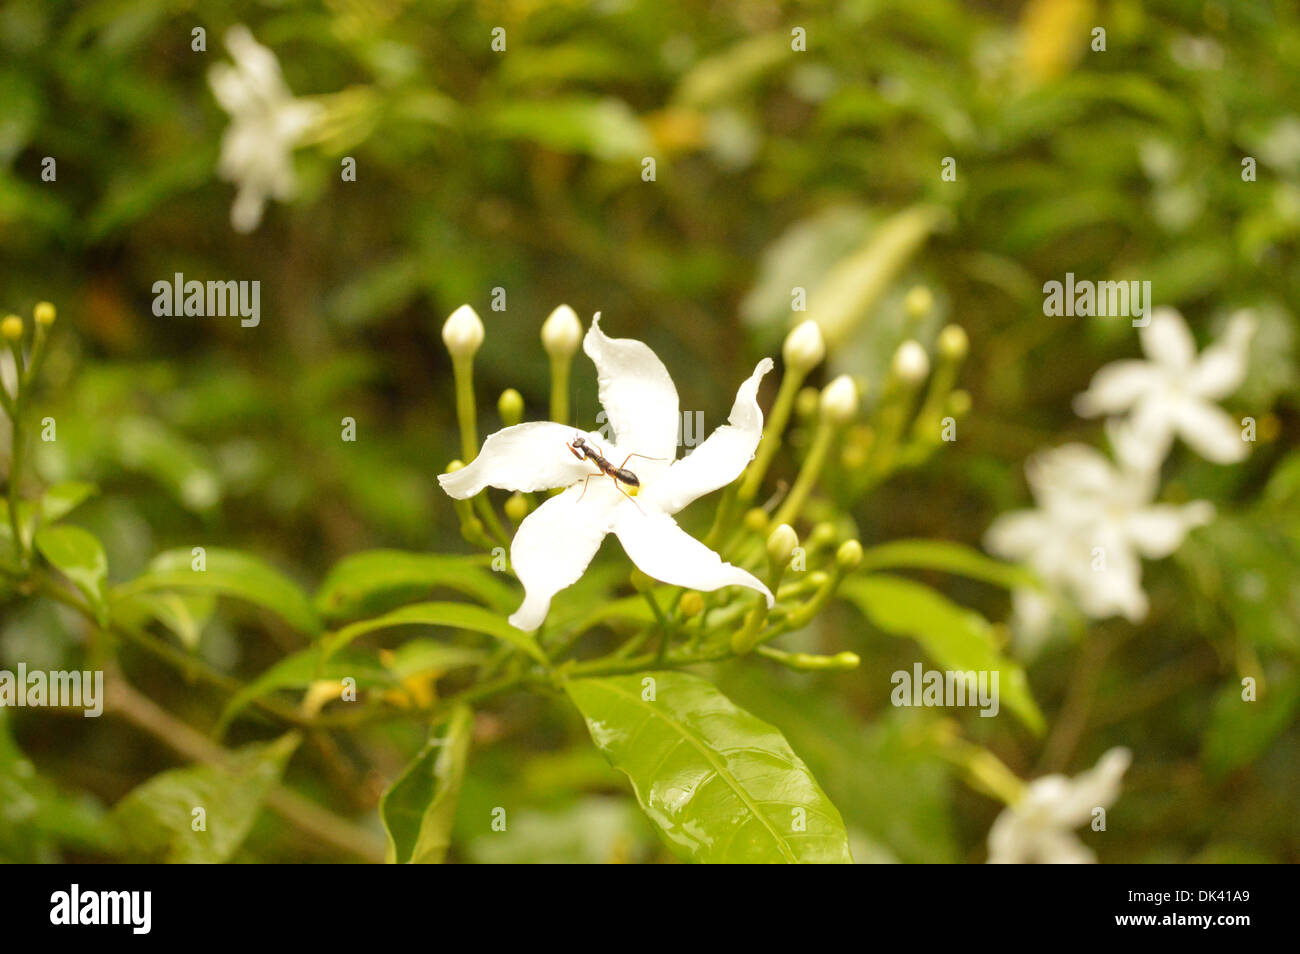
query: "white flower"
561, 332
266, 124
1039, 827
1092, 524
1174, 391
556, 542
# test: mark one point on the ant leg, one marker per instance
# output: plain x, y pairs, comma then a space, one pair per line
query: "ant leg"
629, 497
584, 487
642, 456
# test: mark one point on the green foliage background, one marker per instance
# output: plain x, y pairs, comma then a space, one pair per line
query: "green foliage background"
522, 170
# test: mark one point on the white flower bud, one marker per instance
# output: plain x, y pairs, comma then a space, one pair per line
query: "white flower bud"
953, 343
561, 333
780, 544
911, 363
805, 346
463, 332
840, 400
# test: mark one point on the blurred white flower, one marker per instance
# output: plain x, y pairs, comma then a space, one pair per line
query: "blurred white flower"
266, 124
556, 542
1092, 524
1174, 391
1039, 828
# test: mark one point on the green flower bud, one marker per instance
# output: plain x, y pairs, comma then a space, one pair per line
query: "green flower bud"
953, 343
919, 301
12, 328
756, 520
45, 313
517, 508
511, 407
849, 555
691, 604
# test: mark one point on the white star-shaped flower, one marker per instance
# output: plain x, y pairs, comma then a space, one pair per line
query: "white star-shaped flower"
266, 124
1092, 524
1039, 828
1174, 392
555, 543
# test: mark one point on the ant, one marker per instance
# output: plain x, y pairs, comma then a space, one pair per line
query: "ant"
622, 477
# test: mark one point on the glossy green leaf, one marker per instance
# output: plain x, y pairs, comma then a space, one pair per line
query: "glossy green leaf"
954, 637
948, 557
419, 807
456, 615
230, 573
376, 580
721, 785
158, 817
79, 556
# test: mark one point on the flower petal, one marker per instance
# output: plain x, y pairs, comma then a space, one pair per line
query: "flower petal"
1222, 367
665, 551
1158, 530
555, 543
1116, 387
721, 458
526, 457
1096, 788
1210, 431
1167, 340
1019, 534
637, 393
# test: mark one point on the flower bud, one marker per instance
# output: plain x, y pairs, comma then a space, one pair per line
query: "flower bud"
11, 327
454, 466
839, 401
919, 301
561, 333
958, 404
804, 347
953, 343
780, 545
756, 520
511, 407
517, 508
823, 534
45, 313
849, 555
691, 604
911, 364
805, 402
462, 333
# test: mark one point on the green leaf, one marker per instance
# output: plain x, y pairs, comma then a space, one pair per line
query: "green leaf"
230, 573
157, 817
300, 670
721, 785
604, 127
419, 807
365, 582
55, 504
76, 554
954, 637
418, 656
948, 557
457, 615
184, 614
1240, 732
